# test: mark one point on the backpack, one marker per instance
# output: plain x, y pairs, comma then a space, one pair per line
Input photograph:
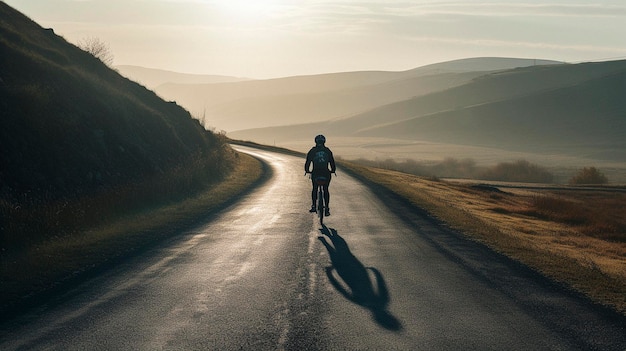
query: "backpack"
320, 159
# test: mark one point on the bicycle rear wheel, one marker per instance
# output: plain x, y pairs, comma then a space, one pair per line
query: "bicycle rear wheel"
320, 205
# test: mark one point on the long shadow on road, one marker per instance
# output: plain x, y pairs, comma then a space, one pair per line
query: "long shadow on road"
362, 285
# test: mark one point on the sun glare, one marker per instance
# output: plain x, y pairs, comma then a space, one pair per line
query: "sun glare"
247, 8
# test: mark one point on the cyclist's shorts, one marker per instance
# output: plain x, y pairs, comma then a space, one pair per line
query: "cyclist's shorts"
320, 178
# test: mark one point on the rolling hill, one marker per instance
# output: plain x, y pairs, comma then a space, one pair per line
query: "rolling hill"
70, 126
579, 116
306, 99
153, 78
572, 109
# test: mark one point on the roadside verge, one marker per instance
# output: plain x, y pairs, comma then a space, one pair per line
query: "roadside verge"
587, 266
59, 264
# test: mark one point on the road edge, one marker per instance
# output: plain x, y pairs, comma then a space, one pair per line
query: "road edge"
30, 296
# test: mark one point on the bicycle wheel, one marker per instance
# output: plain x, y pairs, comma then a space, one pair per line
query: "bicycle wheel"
320, 205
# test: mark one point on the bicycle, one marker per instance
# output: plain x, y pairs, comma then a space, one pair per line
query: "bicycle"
320, 182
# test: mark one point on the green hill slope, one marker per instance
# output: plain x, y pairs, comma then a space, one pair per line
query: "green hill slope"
73, 129
68, 122
488, 88
577, 109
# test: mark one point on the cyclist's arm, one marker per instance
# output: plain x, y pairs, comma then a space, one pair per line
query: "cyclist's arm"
333, 168
307, 164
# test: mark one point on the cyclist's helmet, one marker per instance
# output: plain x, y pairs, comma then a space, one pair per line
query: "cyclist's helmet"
320, 139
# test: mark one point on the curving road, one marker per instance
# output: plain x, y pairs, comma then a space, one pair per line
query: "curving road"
263, 275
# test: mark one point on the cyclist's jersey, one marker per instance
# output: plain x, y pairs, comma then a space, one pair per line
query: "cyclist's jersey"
320, 157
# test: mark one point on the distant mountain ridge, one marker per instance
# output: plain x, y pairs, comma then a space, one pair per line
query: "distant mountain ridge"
306, 99
485, 64
152, 78
586, 107
574, 109
488, 88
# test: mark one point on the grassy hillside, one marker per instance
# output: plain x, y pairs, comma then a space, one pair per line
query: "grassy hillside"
93, 166
306, 99
81, 144
557, 108
488, 88
463, 89
579, 109
286, 109
231, 106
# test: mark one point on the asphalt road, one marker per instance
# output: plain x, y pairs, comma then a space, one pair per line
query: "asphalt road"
264, 275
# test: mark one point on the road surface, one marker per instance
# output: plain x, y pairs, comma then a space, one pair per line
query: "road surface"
264, 275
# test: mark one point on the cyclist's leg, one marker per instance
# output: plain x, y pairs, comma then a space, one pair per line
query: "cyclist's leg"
313, 196
327, 196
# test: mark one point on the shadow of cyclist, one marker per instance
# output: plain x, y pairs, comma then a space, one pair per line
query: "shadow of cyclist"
354, 281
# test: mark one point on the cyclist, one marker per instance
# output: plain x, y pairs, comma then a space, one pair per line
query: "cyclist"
321, 157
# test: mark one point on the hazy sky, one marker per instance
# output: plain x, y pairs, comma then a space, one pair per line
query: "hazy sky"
274, 38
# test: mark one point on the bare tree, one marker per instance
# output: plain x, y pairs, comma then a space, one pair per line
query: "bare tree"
98, 49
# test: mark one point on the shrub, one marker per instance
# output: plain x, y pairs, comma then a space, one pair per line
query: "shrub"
98, 49
520, 171
589, 175
447, 168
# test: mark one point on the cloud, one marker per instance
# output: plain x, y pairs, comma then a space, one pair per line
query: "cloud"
483, 42
409, 18
513, 8
333, 35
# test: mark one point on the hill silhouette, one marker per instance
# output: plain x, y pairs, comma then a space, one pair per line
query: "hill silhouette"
583, 113
71, 129
566, 108
306, 99
152, 78
484, 64
66, 116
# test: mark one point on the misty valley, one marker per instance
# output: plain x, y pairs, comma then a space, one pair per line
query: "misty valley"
486, 110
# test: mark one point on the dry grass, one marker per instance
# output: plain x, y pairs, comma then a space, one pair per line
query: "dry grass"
60, 258
575, 237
